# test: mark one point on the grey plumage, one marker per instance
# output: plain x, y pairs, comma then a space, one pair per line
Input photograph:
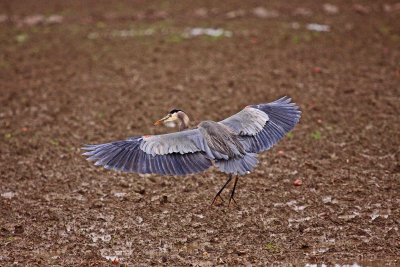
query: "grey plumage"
248, 121
232, 144
188, 141
127, 156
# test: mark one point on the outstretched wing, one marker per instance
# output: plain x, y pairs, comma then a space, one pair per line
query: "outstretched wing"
177, 153
262, 126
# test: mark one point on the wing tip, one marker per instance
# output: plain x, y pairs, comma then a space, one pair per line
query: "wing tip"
88, 147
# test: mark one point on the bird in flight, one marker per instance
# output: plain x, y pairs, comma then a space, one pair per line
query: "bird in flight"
231, 144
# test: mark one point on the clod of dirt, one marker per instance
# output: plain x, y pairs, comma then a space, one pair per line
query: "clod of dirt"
3, 18
120, 194
327, 199
391, 8
164, 199
330, 9
97, 205
316, 70
136, 197
302, 11
139, 219
201, 12
18, 229
213, 32
55, 19
8, 195
264, 13
318, 27
297, 182
235, 14
139, 189
361, 9
4, 232
33, 20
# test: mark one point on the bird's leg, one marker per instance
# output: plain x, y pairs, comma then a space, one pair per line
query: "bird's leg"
233, 191
222, 189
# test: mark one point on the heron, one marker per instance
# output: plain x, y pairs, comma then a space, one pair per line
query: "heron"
231, 145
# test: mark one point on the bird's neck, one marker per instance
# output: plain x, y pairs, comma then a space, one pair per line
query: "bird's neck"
183, 121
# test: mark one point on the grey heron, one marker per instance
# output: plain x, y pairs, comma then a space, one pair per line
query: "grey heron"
231, 144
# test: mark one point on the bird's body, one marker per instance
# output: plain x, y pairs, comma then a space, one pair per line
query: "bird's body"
232, 144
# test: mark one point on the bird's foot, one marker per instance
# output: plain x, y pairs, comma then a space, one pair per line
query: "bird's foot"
233, 201
219, 202
220, 191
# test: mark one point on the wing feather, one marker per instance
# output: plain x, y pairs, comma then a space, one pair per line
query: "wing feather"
283, 116
261, 126
179, 142
248, 121
160, 155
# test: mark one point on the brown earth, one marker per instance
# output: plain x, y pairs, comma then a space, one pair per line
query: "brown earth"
106, 70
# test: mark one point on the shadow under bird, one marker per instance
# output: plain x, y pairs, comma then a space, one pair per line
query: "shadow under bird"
231, 144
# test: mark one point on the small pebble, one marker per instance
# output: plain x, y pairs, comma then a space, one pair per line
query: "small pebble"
298, 182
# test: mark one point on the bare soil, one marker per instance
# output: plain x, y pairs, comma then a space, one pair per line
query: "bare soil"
107, 70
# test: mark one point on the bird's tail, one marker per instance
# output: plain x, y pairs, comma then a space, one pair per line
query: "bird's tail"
239, 165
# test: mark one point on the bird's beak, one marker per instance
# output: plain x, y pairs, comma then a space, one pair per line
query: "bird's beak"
161, 121
158, 123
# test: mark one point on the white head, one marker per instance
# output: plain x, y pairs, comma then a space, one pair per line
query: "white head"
175, 117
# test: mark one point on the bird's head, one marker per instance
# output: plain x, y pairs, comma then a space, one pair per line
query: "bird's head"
173, 118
